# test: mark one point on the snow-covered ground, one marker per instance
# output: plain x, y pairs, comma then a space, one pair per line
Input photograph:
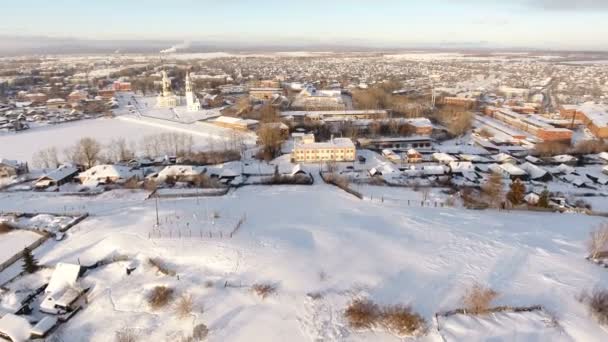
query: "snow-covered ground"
14, 242
23, 145
319, 239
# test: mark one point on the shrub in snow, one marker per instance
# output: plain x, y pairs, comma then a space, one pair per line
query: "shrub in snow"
477, 299
362, 314
126, 335
598, 241
185, 305
5, 228
398, 319
597, 303
401, 320
200, 332
264, 290
160, 296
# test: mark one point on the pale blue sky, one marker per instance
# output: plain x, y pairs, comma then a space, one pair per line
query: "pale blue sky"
508, 23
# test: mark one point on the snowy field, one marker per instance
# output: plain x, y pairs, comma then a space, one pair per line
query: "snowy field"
23, 145
318, 239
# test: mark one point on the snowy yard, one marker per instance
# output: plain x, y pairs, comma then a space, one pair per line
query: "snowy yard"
320, 240
14, 242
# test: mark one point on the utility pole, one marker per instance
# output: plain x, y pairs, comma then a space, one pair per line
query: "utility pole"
156, 204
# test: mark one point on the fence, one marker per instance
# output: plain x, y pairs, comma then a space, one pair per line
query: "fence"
194, 233
344, 187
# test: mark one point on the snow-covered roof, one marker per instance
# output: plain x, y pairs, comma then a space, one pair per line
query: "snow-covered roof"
60, 173
564, 158
503, 158
435, 170
534, 171
64, 275
565, 169
507, 168
15, 327
462, 166
334, 143
180, 171
12, 163
533, 159
597, 113
101, 172
443, 157
44, 325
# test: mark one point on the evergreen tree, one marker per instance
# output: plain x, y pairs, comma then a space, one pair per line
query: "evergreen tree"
517, 192
30, 264
543, 200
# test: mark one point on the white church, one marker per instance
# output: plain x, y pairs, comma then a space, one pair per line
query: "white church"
166, 99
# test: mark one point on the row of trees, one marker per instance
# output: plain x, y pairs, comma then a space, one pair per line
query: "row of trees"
493, 193
89, 152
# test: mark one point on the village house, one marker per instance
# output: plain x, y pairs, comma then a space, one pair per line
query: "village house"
77, 96
464, 102
122, 86
338, 149
333, 115
265, 94
312, 99
56, 103
509, 171
107, 174
57, 177
302, 138
37, 98
396, 143
10, 168
283, 128
180, 173
236, 123
63, 290
413, 156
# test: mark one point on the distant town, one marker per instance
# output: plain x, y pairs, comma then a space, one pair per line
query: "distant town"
132, 183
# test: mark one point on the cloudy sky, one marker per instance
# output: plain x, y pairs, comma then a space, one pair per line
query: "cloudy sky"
558, 24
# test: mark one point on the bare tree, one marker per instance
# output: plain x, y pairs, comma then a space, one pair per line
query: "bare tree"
46, 158
119, 150
87, 152
493, 188
598, 241
270, 138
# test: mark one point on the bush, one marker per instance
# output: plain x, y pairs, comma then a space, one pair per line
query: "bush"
160, 296
126, 335
400, 319
478, 299
597, 303
362, 314
161, 267
132, 183
264, 290
298, 179
200, 332
185, 305
597, 244
5, 228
